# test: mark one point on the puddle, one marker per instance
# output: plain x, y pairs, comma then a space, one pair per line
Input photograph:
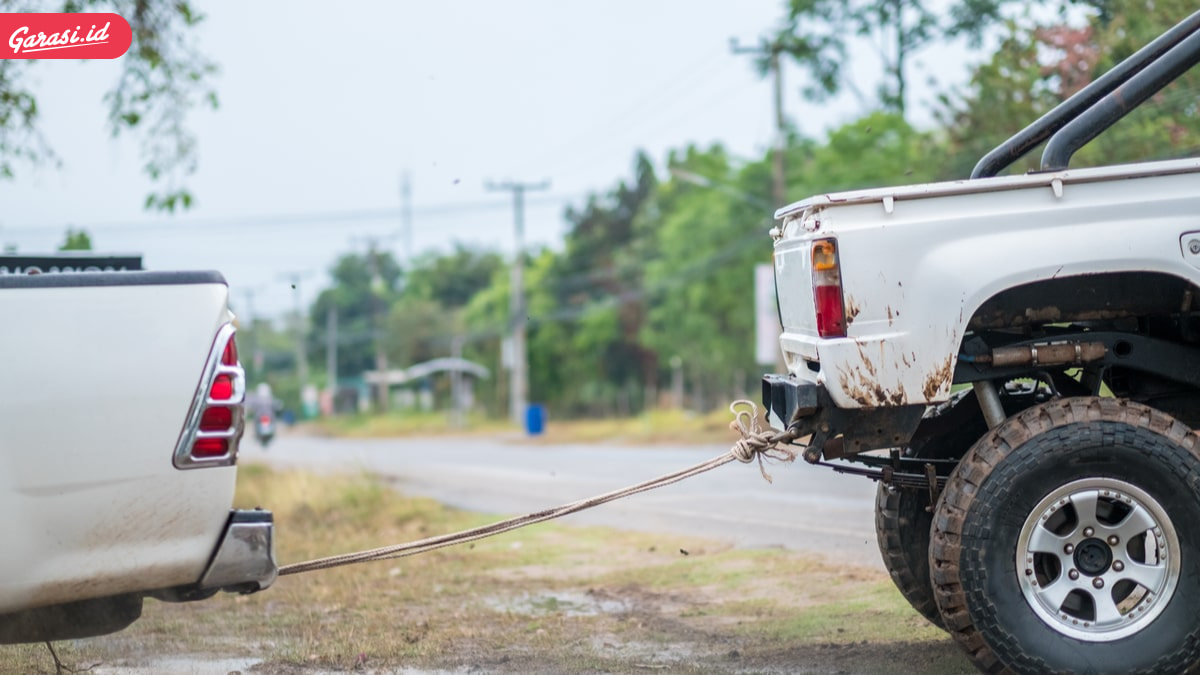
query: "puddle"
567, 603
651, 654
183, 665
200, 665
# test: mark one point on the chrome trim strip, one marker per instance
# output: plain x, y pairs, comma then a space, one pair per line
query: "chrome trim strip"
183, 458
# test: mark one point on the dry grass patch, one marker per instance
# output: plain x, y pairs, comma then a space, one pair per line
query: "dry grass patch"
659, 426
544, 599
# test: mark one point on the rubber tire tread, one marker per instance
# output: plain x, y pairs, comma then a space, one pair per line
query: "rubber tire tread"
974, 470
902, 523
902, 531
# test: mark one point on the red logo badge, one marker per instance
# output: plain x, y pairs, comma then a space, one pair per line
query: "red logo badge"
64, 36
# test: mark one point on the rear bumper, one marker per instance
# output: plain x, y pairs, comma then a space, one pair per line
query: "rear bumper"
836, 432
245, 560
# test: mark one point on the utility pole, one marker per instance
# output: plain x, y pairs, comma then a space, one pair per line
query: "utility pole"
381, 363
519, 381
406, 215
256, 356
772, 51
331, 355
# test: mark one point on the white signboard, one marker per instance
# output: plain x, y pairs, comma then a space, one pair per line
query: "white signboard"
766, 316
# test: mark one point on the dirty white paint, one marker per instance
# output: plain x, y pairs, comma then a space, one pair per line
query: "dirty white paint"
97, 382
914, 274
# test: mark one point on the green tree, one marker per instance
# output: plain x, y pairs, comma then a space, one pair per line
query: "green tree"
1038, 66
363, 290
876, 150
268, 353
485, 322
595, 287
699, 277
451, 280
77, 240
1167, 125
817, 34
163, 76
1005, 94
417, 330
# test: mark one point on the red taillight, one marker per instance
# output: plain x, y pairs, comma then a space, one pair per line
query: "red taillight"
222, 388
827, 289
831, 317
229, 357
265, 419
217, 419
210, 447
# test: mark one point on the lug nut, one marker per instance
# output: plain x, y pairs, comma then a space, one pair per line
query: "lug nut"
1074, 574
1098, 582
1119, 566
1087, 531
1113, 540
1069, 549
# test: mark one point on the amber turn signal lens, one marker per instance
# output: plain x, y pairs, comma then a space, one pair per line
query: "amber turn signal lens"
824, 255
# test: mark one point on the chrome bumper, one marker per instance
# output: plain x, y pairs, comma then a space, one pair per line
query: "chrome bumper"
245, 559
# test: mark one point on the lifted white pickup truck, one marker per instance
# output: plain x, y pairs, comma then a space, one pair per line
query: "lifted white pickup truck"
1045, 510
120, 415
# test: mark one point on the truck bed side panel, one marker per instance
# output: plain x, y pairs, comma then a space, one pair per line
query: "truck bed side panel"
95, 384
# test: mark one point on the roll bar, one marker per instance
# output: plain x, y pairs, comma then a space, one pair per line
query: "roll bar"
1096, 107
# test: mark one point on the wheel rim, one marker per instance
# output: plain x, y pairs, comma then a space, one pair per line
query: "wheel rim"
1098, 559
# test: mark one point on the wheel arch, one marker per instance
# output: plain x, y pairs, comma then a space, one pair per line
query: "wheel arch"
1084, 297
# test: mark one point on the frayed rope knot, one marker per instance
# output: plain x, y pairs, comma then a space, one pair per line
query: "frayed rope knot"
756, 442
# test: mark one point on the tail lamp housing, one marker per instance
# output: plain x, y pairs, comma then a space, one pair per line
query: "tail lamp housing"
216, 420
827, 289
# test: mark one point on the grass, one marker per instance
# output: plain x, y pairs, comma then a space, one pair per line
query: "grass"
658, 426
548, 598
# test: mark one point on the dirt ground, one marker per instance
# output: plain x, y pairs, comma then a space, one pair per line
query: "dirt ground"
547, 599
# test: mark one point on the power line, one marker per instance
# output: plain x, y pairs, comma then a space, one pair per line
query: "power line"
297, 219
682, 80
696, 270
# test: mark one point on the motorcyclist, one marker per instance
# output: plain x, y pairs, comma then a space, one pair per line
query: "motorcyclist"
261, 407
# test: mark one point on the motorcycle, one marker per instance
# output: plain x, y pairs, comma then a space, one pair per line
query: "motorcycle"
264, 428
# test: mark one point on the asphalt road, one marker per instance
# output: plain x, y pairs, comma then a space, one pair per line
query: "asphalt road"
806, 508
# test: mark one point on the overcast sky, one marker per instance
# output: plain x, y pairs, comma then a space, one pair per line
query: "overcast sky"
322, 109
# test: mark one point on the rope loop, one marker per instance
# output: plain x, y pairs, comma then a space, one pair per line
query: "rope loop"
756, 442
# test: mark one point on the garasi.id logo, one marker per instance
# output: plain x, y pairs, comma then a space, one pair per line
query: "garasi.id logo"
47, 35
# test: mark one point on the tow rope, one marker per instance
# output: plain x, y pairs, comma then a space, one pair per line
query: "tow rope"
755, 443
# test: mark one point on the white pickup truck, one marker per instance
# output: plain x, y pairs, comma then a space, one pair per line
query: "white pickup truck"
1016, 360
120, 415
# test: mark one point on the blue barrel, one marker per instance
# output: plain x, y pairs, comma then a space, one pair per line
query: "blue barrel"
535, 419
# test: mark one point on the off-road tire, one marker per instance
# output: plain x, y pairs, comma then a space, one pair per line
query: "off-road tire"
903, 516
902, 526
978, 521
